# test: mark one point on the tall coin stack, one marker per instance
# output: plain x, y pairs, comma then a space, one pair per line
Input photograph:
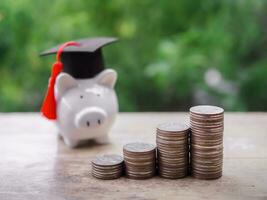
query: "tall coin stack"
173, 155
206, 141
140, 160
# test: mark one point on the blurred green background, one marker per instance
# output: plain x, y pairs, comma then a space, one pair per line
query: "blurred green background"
172, 54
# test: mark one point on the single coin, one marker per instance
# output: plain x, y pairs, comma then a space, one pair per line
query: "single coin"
107, 170
206, 176
140, 177
206, 137
205, 130
207, 125
140, 168
139, 159
173, 170
173, 127
207, 118
139, 147
106, 173
209, 155
176, 143
207, 110
106, 177
107, 160
167, 147
139, 164
171, 138
107, 167
171, 176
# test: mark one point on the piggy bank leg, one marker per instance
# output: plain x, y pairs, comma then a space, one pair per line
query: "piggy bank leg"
71, 142
102, 140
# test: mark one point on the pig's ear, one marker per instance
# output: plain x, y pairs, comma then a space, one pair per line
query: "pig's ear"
64, 82
107, 78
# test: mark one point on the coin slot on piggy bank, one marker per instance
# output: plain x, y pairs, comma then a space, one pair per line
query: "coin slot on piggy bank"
85, 102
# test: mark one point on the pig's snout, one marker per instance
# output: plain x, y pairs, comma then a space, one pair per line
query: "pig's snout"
90, 117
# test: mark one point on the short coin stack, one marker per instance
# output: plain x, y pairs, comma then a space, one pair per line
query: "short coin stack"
173, 155
107, 166
140, 160
206, 141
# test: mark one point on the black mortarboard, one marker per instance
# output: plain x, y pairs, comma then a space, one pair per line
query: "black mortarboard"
84, 61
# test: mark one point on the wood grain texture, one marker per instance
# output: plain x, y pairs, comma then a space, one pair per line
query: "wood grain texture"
35, 164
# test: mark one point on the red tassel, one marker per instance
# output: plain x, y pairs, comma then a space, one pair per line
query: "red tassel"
49, 105
48, 108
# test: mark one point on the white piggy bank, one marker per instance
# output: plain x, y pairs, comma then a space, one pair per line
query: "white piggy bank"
86, 108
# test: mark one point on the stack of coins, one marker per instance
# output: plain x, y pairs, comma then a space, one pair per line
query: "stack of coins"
140, 160
206, 141
107, 166
172, 149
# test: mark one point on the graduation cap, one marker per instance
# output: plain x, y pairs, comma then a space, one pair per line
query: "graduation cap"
85, 60
81, 59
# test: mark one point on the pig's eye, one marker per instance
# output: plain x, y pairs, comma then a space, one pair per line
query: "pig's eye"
81, 96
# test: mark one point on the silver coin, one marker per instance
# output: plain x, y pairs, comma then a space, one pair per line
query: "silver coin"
139, 147
206, 110
107, 160
173, 127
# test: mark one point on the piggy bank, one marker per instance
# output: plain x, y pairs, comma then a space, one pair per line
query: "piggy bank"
80, 96
86, 108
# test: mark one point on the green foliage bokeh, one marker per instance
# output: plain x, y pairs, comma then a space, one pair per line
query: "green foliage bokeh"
168, 53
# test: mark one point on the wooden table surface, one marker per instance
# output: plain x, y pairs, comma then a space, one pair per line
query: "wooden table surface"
34, 164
